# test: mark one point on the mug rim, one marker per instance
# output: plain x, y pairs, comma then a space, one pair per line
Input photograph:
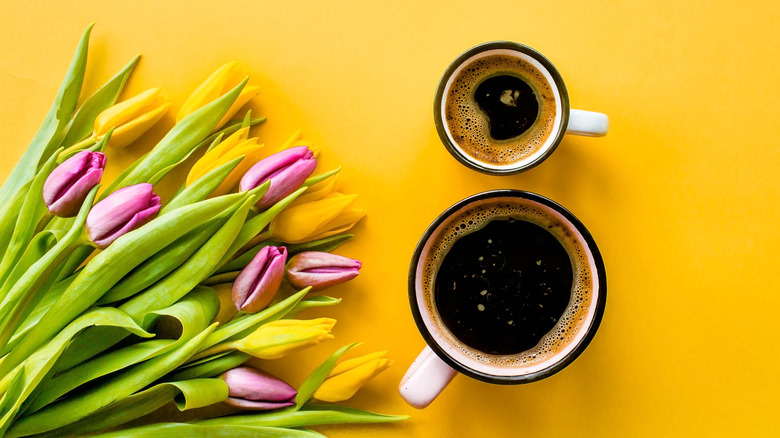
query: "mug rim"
497, 45
514, 379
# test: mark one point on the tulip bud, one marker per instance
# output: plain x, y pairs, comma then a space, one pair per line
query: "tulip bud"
121, 212
349, 376
258, 282
234, 146
320, 270
216, 85
275, 339
131, 118
287, 170
257, 391
69, 183
322, 218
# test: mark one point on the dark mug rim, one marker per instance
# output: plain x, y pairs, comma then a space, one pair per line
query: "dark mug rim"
524, 378
493, 45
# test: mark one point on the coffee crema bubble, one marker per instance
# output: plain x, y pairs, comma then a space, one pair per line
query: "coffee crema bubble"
572, 321
469, 123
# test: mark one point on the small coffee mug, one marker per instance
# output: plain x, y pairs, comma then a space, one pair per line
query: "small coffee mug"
466, 127
445, 355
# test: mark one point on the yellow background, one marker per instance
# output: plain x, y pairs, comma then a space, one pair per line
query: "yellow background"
681, 196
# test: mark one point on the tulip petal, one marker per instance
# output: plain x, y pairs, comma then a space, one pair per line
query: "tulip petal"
321, 270
246, 95
344, 385
68, 184
302, 222
259, 281
122, 211
256, 405
252, 384
120, 113
129, 131
209, 90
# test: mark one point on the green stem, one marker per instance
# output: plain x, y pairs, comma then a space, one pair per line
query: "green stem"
83, 144
225, 277
211, 351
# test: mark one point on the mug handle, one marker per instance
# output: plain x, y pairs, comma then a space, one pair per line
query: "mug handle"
587, 123
425, 379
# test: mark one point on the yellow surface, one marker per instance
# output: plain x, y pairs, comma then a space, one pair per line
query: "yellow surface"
682, 195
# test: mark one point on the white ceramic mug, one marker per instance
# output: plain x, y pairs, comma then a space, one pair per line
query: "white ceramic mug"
445, 356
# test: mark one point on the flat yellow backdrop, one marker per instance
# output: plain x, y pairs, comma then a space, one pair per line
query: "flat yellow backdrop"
682, 196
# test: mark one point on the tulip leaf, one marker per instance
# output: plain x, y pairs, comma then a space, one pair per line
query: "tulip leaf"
241, 326
327, 244
202, 187
227, 129
37, 365
183, 139
161, 264
193, 313
176, 430
188, 394
216, 141
8, 215
309, 415
32, 211
312, 302
115, 388
109, 266
255, 225
321, 177
223, 278
51, 131
84, 119
211, 366
169, 289
315, 379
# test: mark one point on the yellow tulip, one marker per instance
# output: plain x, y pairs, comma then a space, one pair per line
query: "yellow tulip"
333, 214
219, 83
131, 118
349, 376
278, 338
296, 140
229, 149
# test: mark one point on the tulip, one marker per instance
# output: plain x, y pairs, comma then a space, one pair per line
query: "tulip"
229, 149
315, 220
295, 140
69, 183
258, 282
216, 85
257, 391
320, 270
276, 339
349, 376
131, 118
287, 170
121, 212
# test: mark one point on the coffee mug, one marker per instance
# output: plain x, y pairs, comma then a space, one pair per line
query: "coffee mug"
503, 108
506, 287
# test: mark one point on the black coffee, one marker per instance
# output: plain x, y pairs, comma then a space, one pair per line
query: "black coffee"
501, 288
509, 104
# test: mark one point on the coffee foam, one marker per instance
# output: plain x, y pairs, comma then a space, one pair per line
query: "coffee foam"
572, 325
468, 127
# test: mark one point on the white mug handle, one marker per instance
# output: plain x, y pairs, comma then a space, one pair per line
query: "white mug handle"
425, 379
587, 123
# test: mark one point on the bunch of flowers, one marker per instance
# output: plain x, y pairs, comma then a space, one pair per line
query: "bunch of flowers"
88, 272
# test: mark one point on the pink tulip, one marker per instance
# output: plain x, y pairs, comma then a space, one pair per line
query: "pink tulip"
121, 212
321, 270
69, 183
258, 391
258, 282
287, 170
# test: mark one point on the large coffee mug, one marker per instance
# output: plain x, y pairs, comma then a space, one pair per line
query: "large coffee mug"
506, 287
502, 108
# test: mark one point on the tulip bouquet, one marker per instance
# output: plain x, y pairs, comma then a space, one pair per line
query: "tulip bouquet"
91, 275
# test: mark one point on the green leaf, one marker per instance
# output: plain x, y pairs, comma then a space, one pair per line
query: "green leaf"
84, 120
162, 263
8, 215
255, 225
115, 388
321, 177
37, 365
182, 139
189, 394
327, 244
315, 379
227, 129
312, 302
178, 430
32, 211
202, 187
50, 133
310, 415
210, 366
109, 266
